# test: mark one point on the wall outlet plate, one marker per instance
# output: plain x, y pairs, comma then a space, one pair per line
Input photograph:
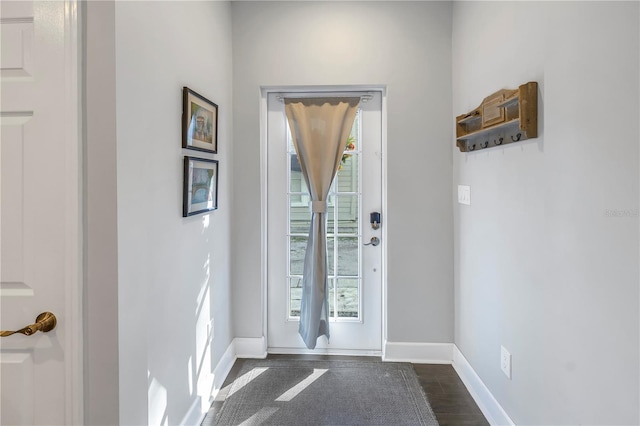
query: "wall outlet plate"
505, 362
464, 194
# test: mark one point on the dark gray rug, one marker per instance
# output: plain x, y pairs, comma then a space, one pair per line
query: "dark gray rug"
296, 392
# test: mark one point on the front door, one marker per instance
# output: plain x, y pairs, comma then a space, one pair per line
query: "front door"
40, 215
355, 270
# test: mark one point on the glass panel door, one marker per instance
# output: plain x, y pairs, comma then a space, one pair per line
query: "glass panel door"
355, 270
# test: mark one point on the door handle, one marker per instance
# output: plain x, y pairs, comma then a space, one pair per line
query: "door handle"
374, 242
45, 322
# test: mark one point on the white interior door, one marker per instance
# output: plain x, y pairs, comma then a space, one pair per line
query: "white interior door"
355, 281
39, 215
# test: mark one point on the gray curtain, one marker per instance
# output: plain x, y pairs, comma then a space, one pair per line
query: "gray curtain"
320, 128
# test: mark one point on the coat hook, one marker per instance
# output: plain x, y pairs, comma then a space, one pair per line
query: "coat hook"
485, 144
472, 147
499, 142
517, 138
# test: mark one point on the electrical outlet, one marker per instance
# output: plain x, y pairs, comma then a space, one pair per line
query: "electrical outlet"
505, 362
464, 194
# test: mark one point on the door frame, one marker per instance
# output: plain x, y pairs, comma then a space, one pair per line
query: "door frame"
74, 177
264, 95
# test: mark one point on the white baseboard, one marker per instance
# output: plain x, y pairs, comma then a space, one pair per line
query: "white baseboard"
222, 370
419, 353
250, 347
195, 415
199, 407
324, 351
487, 403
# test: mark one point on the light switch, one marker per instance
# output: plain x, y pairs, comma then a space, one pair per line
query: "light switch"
464, 194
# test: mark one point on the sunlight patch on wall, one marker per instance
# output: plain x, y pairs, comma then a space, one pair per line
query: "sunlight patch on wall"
157, 407
190, 374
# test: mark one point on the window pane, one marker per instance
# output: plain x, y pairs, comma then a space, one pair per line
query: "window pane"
348, 174
298, 247
331, 297
295, 294
347, 214
330, 254
348, 297
290, 147
299, 215
297, 183
355, 129
348, 256
331, 202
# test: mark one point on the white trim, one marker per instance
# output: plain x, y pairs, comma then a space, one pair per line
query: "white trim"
264, 188
222, 370
364, 96
199, 409
385, 221
250, 347
419, 353
324, 89
240, 347
487, 403
194, 415
74, 391
325, 351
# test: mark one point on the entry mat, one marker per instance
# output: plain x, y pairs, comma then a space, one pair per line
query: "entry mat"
302, 392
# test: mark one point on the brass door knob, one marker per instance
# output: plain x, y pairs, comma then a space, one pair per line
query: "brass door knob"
45, 322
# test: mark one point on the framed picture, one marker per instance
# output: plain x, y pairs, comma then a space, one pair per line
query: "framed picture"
200, 186
199, 122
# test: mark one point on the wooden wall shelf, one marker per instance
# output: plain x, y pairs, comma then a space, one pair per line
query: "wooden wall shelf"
504, 117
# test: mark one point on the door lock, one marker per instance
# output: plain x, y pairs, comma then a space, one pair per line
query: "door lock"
374, 218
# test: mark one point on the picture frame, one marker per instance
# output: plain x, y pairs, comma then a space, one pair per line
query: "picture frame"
199, 122
200, 194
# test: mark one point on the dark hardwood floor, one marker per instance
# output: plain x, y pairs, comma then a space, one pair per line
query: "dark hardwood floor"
449, 398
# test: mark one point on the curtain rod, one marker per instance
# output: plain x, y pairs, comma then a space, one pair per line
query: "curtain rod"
364, 96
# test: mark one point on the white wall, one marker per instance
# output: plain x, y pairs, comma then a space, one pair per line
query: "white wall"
406, 46
173, 277
540, 267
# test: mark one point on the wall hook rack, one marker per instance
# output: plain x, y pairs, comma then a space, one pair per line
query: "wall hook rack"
508, 115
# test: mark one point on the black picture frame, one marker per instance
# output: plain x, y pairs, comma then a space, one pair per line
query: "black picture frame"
199, 122
200, 190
